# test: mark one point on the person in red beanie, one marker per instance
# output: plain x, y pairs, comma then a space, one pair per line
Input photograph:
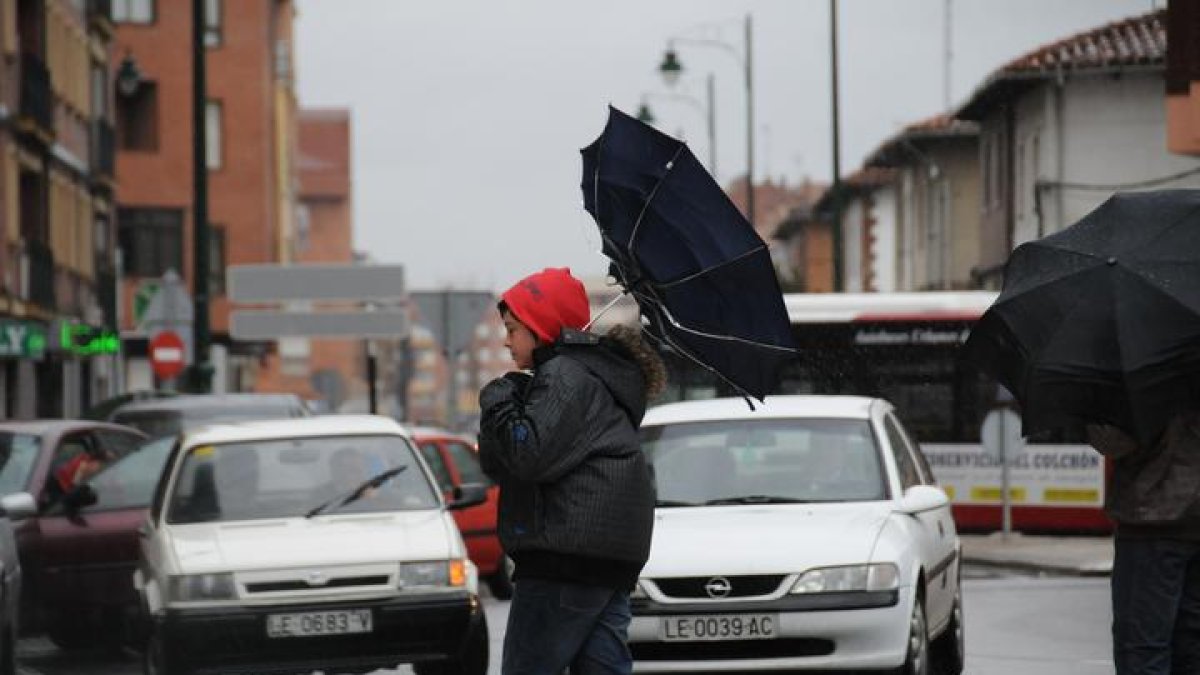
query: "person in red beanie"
560, 437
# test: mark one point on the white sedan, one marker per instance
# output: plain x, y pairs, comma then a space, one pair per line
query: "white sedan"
807, 534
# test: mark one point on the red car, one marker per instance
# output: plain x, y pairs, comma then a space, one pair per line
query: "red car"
78, 553
454, 459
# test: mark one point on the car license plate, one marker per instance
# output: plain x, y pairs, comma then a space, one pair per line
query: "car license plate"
718, 627
304, 624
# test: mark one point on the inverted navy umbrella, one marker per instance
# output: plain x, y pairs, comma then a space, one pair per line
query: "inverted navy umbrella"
1101, 322
702, 277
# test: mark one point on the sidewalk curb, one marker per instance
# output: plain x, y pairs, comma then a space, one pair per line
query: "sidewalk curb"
1026, 566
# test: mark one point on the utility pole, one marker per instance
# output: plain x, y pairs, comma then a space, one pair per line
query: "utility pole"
200, 377
835, 189
948, 53
750, 119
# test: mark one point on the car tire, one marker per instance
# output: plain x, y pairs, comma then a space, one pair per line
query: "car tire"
916, 657
500, 582
472, 660
71, 635
949, 649
8, 659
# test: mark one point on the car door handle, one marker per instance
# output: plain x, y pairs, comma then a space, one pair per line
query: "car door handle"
941, 529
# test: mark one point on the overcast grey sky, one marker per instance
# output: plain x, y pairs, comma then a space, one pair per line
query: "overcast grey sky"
468, 115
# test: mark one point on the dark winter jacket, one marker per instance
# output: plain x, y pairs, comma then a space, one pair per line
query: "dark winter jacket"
576, 493
1154, 491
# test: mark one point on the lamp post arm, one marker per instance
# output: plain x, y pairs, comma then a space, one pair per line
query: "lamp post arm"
709, 42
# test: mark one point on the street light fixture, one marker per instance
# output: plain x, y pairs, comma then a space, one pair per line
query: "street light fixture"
671, 68
645, 115
129, 76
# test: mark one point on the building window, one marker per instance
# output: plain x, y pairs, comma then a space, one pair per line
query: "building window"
212, 135
212, 23
216, 260
151, 240
137, 119
133, 11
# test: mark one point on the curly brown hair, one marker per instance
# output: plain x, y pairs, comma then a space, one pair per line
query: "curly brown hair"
654, 371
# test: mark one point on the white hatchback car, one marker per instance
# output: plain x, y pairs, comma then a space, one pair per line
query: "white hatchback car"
307, 544
807, 534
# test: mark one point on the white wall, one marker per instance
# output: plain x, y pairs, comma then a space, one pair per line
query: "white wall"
886, 233
1094, 131
852, 216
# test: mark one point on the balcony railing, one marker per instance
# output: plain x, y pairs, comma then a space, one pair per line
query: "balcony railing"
41, 274
103, 148
37, 102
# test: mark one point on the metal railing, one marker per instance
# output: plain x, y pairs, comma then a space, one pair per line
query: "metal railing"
37, 101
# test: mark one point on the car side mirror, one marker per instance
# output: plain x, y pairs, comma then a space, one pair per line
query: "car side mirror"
919, 498
19, 506
81, 497
467, 495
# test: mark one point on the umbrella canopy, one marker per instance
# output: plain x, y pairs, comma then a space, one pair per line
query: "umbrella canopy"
1101, 322
702, 277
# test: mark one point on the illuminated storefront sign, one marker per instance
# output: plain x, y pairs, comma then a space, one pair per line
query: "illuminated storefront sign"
22, 339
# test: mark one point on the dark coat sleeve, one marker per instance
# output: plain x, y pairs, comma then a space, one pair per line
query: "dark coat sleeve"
535, 435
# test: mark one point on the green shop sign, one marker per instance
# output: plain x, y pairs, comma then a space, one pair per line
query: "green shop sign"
80, 339
22, 339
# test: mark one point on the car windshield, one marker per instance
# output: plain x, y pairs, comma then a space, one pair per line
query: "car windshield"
289, 477
129, 482
774, 460
158, 423
18, 455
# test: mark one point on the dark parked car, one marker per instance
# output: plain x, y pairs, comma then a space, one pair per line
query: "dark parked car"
77, 557
159, 417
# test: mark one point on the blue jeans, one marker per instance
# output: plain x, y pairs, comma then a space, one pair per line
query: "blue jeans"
553, 625
1156, 607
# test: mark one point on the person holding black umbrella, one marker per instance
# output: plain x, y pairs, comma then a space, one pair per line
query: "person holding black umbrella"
576, 495
1154, 498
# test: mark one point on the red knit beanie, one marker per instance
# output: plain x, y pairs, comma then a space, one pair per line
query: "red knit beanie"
549, 301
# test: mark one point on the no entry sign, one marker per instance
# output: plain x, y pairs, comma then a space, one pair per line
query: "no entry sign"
167, 356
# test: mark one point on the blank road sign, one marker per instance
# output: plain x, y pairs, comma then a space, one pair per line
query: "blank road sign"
281, 283
268, 324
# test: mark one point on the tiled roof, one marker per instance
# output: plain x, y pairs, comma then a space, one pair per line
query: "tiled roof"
938, 126
1133, 41
1130, 43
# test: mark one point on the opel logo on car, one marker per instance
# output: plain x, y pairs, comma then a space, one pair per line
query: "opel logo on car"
718, 587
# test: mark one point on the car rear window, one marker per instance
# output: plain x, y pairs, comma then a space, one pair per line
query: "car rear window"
807, 460
287, 478
158, 423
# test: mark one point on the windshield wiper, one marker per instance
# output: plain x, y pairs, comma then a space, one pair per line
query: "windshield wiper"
756, 499
357, 493
667, 503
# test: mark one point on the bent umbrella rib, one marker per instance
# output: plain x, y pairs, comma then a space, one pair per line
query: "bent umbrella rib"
650, 198
711, 268
714, 336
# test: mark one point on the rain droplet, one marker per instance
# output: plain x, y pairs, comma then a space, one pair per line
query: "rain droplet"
1112, 261
669, 165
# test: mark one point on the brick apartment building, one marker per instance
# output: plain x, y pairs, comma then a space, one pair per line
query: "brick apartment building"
330, 371
56, 179
251, 152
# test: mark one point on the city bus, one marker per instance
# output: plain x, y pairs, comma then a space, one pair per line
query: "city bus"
906, 348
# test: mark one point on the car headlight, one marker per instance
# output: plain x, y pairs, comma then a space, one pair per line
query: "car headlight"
196, 587
433, 573
875, 577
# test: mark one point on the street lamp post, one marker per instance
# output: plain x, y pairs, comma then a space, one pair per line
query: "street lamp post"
671, 68
201, 373
708, 110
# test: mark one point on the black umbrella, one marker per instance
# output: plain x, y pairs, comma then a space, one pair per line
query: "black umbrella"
1101, 322
701, 275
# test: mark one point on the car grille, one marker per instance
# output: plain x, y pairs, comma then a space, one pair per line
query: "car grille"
745, 586
730, 649
301, 585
